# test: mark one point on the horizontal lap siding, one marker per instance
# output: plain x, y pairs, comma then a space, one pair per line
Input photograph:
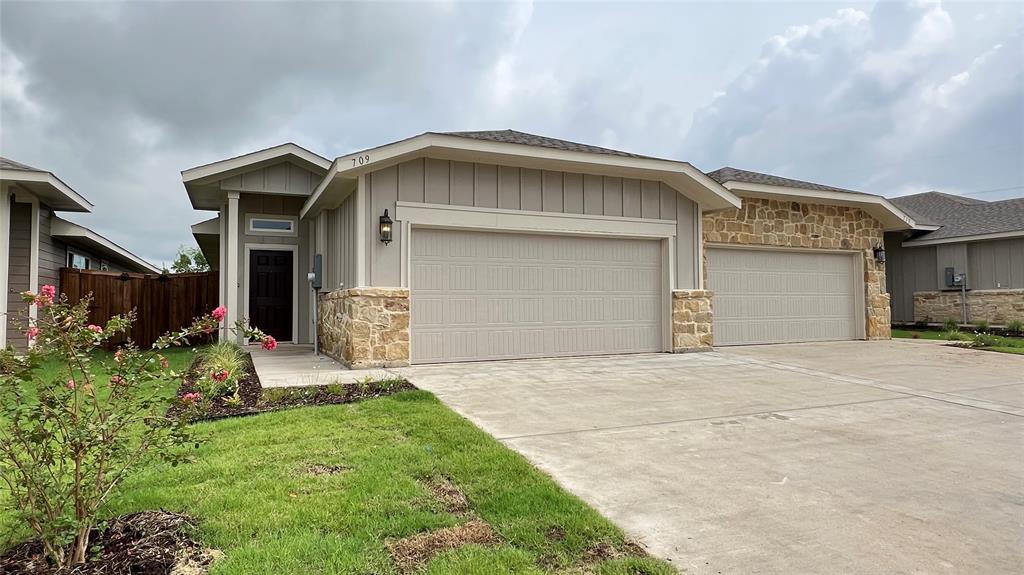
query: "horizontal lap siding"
447, 182
19, 252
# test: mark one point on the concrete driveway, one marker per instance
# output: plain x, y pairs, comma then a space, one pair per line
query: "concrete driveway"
845, 457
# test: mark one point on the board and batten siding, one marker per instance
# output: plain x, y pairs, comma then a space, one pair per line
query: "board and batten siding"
907, 270
19, 262
997, 264
446, 182
281, 178
339, 255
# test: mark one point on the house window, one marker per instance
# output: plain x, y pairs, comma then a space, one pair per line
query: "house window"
78, 261
262, 225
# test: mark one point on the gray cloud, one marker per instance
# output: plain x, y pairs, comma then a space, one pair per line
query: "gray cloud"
118, 98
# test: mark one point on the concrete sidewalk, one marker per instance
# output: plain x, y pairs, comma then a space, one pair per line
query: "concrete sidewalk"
297, 366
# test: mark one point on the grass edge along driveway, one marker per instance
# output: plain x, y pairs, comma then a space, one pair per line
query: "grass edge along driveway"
1005, 344
258, 497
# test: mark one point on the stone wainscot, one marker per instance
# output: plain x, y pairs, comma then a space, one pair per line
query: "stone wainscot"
365, 327
764, 222
996, 307
691, 320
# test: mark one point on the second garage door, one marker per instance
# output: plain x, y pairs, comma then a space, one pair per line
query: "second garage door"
769, 296
486, 295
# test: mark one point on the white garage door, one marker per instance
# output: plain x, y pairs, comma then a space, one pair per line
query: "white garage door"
765, 296
484, 295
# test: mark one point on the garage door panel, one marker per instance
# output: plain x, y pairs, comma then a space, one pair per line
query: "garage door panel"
555, 296
764, 296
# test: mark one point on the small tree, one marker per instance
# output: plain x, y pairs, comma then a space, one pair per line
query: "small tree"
189, 260
67, 437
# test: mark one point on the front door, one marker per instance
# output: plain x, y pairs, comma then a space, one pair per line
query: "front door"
270, 292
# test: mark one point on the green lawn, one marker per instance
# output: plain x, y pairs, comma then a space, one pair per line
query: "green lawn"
1003, 344
250, 490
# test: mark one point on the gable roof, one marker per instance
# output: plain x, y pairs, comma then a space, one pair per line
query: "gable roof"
44, 184
514, 137
961, 218
757, 184
82, 236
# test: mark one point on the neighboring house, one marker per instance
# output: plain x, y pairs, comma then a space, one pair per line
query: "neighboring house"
36, 243
984, 240
489, 245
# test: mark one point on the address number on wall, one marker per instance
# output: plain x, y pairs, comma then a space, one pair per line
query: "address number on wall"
361, 160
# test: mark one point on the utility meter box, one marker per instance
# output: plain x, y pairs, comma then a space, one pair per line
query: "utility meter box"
953, 279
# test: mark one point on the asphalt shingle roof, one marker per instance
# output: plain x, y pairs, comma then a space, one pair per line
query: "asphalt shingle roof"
960, 216
514, 137
7, 164
727, 174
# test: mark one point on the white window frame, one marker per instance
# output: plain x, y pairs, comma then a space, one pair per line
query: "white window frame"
292, 231
71, 256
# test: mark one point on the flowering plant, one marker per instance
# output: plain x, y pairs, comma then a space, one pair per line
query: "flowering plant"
69, 436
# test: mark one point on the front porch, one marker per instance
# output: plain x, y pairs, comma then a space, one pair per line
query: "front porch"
295, 365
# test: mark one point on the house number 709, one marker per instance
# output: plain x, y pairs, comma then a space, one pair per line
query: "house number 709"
360, 160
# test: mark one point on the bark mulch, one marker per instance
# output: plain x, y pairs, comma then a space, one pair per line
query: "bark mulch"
255, 399
145, 543
412, 552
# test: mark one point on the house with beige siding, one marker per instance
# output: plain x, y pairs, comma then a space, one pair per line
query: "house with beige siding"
35, 243
966, 262
498, 245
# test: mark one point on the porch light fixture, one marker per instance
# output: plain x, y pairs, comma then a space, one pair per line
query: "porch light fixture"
879, 254
385, 228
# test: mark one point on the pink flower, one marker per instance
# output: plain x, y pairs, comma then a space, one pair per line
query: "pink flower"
269, 343
32, 332
48, 291
71, 384
164, 364
219, 312
191, 397
117, 356
116, 380
94, 328
220, 375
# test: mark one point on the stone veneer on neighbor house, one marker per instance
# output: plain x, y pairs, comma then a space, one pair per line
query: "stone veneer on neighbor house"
764, 222
365, 327
997, 306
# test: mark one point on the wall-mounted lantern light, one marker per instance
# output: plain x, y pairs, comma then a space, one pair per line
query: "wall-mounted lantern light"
879, 254
385, 228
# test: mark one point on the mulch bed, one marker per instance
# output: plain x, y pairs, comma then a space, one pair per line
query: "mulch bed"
146, 543
255, 399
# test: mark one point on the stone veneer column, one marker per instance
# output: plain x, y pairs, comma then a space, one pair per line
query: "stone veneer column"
692, 320
878, 310
365, 327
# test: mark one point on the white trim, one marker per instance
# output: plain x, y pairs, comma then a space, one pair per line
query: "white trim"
240, 162
231, 273
63, 229
294, 248
292, 231
698, 248
668, 281
975, 238
222, 273
405, 244
5, 234
48, 179
891, 217
446, 216
361, 216
33, 263
683, 177
860, 285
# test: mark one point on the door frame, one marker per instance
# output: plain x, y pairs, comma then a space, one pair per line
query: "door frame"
294, 248
859, 285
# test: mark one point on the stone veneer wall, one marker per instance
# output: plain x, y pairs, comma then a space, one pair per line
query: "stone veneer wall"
763, 222
691, 320
365, 327
997, 307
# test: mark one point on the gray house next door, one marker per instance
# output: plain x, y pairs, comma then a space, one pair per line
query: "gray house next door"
489, 295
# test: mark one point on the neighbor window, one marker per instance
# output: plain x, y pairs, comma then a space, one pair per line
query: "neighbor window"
77, 261
272, 225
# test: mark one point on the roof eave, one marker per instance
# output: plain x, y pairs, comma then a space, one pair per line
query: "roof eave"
66, 230
891, 217
695, 184
924, 241
56, 194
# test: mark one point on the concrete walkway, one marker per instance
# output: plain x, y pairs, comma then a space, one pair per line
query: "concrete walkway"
845, 457
297, 365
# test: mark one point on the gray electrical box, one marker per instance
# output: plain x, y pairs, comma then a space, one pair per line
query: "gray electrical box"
953, 279
318, 272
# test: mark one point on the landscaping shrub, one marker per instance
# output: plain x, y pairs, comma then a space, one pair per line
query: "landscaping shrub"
982, 339
221, 365
1015, 326
981, 325
68, 440
950, 325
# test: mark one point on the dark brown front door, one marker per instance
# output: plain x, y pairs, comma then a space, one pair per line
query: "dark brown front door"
270, 292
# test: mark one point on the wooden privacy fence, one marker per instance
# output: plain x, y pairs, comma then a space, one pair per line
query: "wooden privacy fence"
163, 302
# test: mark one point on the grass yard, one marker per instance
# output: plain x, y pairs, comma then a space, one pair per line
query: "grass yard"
1002, 344
260, 495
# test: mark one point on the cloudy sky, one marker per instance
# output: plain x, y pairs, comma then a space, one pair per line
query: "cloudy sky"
890, 98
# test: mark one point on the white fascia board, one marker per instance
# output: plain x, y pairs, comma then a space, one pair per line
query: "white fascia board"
66, 230
56, 186
709, 193
961, 239
892, 218
200, 173
210, 227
